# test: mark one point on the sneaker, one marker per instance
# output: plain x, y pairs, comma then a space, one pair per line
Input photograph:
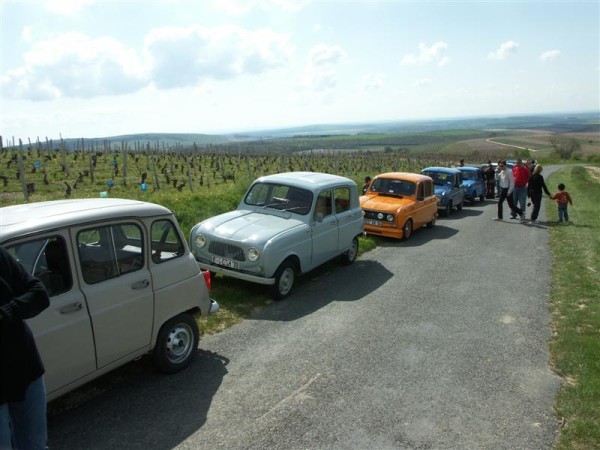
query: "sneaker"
522, 217
533, 222
513, 217
497, 218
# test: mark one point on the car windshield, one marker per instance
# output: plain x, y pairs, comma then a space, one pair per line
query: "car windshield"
281, 197
439, 178
393, 186
469, 175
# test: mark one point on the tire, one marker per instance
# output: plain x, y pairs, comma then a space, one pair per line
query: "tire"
407, 230
284, 280
350, 256
459, 207
431, 223
448, 209
176, 344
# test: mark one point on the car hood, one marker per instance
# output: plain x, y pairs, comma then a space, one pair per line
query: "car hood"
468, 183
440, 189
384, 202
243, 225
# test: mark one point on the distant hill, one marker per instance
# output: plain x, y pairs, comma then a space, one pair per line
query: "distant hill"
560, 123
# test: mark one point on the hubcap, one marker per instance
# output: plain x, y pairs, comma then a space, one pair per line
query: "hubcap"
286, 281
179, 344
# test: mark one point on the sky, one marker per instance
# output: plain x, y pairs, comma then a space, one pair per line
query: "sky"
92, 68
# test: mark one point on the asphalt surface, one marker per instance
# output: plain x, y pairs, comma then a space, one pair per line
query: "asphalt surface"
440, 342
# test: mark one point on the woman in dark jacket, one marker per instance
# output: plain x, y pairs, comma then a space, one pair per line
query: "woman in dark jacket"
22, 392
535, 186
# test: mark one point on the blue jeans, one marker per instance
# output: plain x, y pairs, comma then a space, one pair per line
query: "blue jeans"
23, 424
520, 198
563, 213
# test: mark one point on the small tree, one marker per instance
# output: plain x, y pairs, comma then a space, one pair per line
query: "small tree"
564, 146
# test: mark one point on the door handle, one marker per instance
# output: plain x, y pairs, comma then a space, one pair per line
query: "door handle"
73, 307
140, 284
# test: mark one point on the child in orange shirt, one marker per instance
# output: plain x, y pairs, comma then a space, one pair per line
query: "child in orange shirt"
563, 199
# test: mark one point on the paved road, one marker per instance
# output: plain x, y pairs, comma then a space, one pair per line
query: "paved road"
439, 342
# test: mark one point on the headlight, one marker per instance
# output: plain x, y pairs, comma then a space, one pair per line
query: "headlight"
389, 217
253, 254
380, 216
200, 241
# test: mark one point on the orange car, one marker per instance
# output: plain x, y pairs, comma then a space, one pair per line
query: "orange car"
397, 203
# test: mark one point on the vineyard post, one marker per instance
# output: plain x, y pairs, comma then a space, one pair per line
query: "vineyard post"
124, 152
22, 172
63, 152
156, 181
189, 171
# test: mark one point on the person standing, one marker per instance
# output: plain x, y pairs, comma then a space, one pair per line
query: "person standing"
535, 186
22, 390
490, 181
521, 176
506, 185
367, 184
563, 199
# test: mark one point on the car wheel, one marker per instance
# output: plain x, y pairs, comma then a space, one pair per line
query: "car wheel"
448, 209
284, 280
350, 256
459, 207
176, 344
431, 223
407, 230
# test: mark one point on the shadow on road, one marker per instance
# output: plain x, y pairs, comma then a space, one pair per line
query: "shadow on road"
136, 407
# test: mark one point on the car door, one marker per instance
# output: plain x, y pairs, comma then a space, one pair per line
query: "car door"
347, 217
63, 331
117, 285
324, 229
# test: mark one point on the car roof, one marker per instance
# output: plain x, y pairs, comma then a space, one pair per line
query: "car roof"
28, 218
469, 168
441, 169
409, 176
307, 180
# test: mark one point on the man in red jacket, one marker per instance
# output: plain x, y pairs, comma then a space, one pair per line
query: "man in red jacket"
521, 176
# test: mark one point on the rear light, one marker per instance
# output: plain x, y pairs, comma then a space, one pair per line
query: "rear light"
206, 274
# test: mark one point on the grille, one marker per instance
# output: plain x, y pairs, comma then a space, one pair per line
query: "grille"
226, 250
373, 215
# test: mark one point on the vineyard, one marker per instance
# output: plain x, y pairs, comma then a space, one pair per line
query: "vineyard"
195, 183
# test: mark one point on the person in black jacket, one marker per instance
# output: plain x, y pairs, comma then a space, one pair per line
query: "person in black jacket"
22, 390
535, 186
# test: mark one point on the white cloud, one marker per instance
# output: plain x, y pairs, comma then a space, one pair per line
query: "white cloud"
372, 81
322, 54
434, 54
319, 74
74, 65
504, 51
27, 33
183, 56
549, 55
422, 83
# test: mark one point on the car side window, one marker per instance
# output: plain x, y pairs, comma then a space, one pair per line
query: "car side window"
323, 206
428, 187
166, 242
342, 199
107, 252
48, 260
421, 193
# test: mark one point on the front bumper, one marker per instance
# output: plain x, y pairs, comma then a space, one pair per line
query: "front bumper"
235, 274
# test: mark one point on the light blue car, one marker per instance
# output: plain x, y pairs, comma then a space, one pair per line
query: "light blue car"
474, 183
447, 184
286, 224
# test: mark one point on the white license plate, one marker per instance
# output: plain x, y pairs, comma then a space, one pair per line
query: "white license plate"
376, 223
220, 261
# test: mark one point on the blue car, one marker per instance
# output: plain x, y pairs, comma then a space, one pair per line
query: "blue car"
474, 183
447, 184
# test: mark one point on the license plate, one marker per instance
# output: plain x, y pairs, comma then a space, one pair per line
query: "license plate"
220, 261
376, 223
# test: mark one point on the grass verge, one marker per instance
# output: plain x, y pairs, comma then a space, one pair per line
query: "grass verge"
575, 307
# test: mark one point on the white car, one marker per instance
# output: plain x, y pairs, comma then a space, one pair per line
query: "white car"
286, 224
122, 283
